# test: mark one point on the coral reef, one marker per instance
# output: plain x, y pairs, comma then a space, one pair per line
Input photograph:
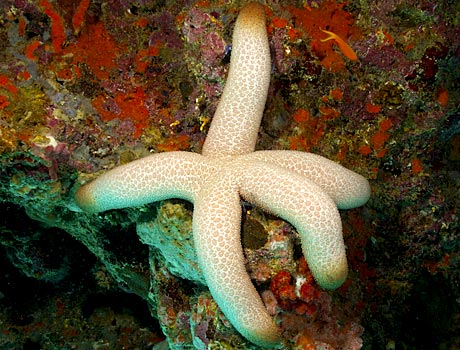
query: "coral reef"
170, 236
148, 79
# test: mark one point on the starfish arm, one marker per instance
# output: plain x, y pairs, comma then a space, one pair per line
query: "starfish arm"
313, 213
216, 230
153, 178
235, 125
347, 188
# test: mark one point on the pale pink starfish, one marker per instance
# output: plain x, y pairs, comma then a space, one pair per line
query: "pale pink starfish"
302, 188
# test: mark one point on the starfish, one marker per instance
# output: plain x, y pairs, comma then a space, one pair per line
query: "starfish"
303, 188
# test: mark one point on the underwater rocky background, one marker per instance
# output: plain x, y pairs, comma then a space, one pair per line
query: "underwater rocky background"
90, 84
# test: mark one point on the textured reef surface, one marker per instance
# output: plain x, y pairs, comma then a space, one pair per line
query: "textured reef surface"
88, 85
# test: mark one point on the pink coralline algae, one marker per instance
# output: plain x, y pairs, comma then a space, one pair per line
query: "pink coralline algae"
203, 34
171, 233
309, 313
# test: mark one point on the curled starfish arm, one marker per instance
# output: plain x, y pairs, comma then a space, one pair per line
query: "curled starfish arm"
216, 232
347, 188
313, 213
153, 178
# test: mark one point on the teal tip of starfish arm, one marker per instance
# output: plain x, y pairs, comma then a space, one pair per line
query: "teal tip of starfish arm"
268, 338
94, 198
85, 199
332, 280
358, 195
